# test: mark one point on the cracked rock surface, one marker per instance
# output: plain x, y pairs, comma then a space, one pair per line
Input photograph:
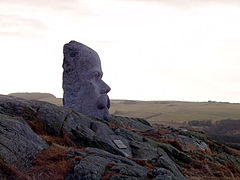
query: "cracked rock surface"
19, 145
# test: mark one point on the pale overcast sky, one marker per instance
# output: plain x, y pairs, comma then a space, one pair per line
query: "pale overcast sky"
150, 49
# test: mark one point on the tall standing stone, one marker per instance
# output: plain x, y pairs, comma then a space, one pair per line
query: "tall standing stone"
84, 89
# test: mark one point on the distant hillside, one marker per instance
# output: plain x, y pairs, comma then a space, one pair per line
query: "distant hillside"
33, 95
175, 111
39, 96
160, 111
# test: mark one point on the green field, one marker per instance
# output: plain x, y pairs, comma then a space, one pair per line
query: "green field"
176, 111
161, 111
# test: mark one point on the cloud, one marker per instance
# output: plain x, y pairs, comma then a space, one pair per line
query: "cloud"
34, 18
190, 3
16, 21
57, 5
40, 3
13, 25
18, 34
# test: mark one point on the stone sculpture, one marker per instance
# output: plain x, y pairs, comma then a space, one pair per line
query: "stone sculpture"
84, 89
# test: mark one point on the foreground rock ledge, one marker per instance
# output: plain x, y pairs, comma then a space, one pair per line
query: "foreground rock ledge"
43, 141
19, 145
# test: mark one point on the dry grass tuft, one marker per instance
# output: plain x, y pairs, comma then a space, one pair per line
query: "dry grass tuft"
151, 134
233, 169
203, 169
36, 126
63, 141
175, 144
149, 166
128, 127
68, 141
162, 131
12, 173
108, 172
50, 164
113, 125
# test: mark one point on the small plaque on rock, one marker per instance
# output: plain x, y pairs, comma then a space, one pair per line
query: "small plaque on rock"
119, 144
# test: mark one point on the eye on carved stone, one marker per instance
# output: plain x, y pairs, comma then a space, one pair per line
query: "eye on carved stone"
73, 54
98, 75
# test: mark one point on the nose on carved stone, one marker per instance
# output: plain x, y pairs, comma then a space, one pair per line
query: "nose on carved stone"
105, 89
108, 89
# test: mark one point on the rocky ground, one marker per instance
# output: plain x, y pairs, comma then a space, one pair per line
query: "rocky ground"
42, 141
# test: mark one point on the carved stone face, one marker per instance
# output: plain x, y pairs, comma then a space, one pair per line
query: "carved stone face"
84, 89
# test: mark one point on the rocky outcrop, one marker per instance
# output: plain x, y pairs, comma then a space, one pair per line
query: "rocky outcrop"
19, 145
133, 123
57, 121
93, 166
38, 139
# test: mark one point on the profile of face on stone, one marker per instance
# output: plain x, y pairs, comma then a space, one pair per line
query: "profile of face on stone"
84, 89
